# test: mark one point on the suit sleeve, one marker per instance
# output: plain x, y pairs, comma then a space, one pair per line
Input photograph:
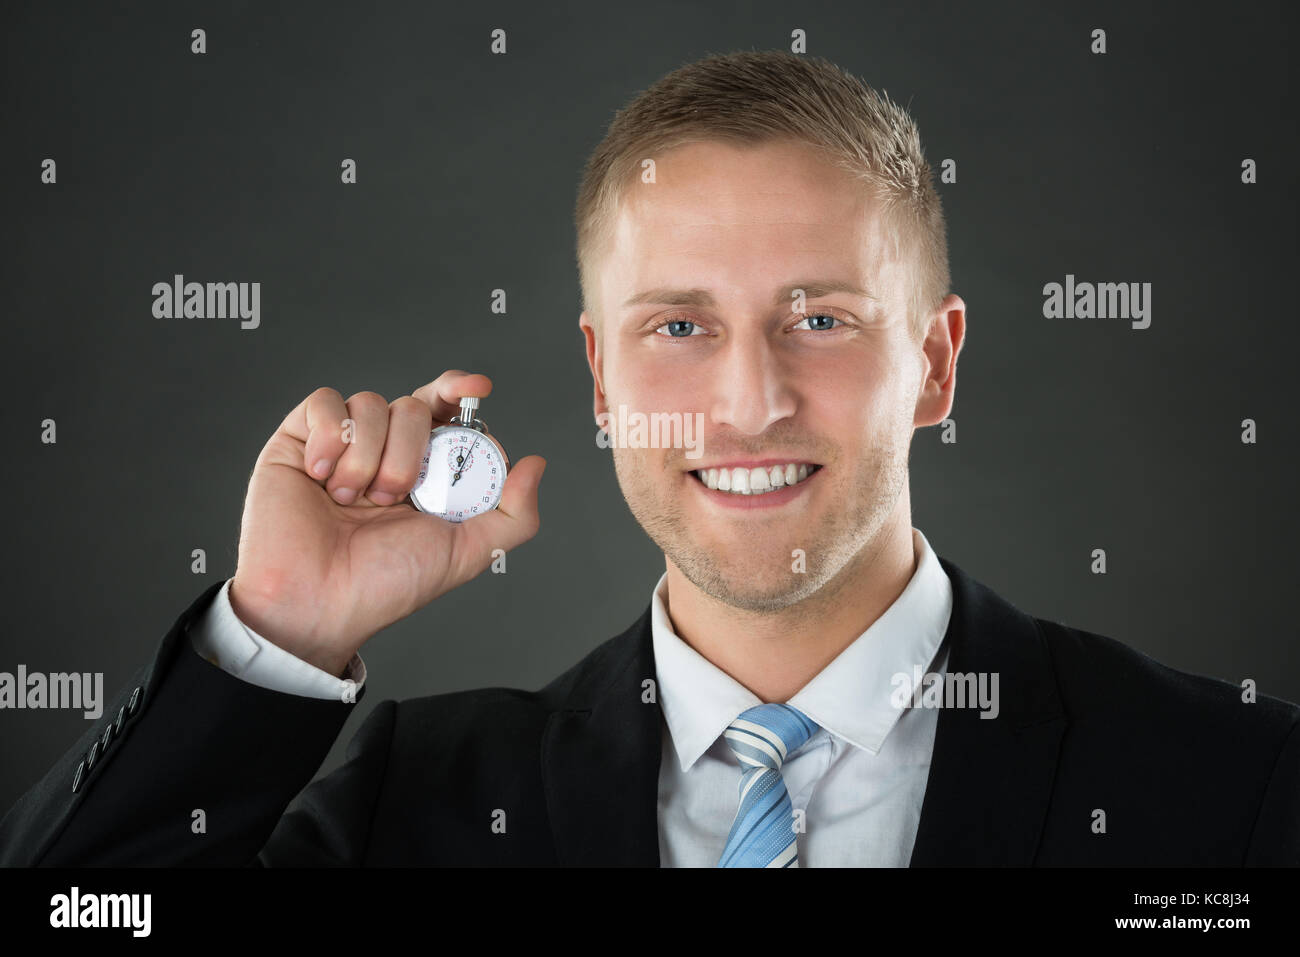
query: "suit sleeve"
1275, 841
192, 766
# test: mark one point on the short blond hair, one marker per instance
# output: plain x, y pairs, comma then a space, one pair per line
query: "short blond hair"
753, 97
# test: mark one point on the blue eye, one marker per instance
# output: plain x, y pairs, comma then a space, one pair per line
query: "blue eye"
685, 328
819, 328
677, 328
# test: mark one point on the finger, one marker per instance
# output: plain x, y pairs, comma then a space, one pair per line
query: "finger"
409, 422
443, 394
317, 422
365, 430
507, 526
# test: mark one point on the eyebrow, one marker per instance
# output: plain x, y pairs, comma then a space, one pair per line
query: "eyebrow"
812, 288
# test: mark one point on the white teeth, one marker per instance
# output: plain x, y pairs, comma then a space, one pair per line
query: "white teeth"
755, 481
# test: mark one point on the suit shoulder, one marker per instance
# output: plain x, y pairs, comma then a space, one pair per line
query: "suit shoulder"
1098, 674
472, 713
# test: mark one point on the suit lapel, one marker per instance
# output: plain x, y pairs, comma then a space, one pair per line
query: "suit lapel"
991, 779
600, 756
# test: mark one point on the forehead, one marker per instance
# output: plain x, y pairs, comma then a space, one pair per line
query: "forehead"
747, 217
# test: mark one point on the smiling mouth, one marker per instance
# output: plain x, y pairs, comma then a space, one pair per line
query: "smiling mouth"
755, 481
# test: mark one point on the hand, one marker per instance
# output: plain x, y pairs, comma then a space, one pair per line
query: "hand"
330, 549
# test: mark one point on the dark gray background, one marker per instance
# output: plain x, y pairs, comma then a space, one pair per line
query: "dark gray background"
225, 167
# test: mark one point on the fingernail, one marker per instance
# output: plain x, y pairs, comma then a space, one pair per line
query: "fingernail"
344, 495
381, 498
320, 468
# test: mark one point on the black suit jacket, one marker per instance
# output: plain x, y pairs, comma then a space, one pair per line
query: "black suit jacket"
1186, 773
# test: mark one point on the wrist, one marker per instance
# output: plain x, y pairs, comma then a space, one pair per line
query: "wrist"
282, 627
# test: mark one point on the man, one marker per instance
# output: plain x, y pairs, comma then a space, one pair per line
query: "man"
760, 245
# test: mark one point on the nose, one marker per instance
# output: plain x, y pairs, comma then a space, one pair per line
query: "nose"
751, 387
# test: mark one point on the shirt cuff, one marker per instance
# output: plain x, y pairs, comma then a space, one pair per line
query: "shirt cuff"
225, 641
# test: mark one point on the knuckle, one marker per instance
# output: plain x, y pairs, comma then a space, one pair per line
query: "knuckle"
399, 478
408, 405
328, 442
331, 435
348, 475
367, 401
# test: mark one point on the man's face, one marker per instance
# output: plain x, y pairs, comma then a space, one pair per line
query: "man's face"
742, 228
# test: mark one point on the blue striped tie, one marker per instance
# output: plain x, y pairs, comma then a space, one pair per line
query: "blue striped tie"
763, 833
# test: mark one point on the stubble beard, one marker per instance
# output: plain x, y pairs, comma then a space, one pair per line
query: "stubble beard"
757, 575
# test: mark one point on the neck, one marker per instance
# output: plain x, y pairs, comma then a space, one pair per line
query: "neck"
774, 654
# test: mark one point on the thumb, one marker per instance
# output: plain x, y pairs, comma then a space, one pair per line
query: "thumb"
514, 521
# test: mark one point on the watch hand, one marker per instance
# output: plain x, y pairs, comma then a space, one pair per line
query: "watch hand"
460, 460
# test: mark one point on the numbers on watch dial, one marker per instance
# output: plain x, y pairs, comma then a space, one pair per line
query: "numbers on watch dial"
464, 480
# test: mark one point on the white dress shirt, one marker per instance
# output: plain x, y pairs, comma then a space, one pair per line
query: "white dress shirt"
859, 780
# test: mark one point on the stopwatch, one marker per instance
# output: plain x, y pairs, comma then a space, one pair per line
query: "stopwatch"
463, 470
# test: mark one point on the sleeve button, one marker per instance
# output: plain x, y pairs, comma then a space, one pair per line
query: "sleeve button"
91, 755
133, 705
76, 778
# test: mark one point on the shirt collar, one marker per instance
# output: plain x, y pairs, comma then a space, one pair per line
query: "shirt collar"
850, 697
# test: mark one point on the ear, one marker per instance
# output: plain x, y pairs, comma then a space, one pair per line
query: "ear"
596, 362
940, 347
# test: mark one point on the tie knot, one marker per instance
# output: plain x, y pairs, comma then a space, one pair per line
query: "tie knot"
763, 735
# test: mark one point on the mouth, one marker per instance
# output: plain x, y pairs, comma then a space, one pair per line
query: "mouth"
755, 487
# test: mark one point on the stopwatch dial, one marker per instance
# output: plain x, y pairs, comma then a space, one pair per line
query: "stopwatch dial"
461, 475
460, 458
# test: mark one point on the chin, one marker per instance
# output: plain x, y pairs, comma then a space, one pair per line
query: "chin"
733, 580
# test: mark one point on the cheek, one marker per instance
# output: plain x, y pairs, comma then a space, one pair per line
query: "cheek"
853, 386
864, 409
651, 385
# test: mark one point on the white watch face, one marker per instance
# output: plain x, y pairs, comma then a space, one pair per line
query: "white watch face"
461, 475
